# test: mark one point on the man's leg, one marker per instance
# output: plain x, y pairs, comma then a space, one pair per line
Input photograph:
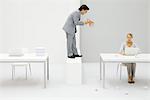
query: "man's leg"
74, 48
69, 44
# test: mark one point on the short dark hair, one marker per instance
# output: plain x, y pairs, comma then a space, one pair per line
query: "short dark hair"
84, 7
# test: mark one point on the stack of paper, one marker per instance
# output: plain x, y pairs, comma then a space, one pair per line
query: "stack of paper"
16, 52
40, 51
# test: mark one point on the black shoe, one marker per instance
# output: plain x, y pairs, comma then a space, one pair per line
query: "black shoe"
71, 56
78, 55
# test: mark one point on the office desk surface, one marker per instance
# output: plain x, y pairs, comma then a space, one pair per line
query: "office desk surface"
26, 57
112, 57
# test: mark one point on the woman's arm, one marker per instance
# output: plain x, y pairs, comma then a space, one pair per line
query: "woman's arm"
122, 49
135, 46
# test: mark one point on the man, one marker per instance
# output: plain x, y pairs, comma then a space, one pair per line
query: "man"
70, 28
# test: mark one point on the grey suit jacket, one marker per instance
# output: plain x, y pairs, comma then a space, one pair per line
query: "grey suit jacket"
72, 21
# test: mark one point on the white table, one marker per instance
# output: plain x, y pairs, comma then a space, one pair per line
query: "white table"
28, 58
118, 58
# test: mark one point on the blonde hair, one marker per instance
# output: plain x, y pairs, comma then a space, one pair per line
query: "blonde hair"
130, 34
130, 43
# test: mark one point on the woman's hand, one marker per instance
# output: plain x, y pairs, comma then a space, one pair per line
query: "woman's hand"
122, 53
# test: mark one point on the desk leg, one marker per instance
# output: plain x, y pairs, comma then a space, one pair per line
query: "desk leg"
100, 69
48, 68
45, 63
103, 75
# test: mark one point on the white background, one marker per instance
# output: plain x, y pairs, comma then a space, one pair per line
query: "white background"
149, 24
33, 23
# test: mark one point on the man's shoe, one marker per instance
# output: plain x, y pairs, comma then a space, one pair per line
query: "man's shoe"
78, 55
71, 56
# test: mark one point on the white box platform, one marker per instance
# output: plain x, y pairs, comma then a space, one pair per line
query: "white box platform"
73, 72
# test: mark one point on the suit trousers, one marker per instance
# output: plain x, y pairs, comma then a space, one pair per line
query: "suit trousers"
71, 44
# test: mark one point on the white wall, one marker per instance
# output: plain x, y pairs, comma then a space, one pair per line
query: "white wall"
32, 23
113, 18
1, 22
149, 24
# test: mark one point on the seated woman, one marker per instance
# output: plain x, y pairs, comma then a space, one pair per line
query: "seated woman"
131, 67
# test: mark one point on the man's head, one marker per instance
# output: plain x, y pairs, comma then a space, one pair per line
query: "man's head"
83, 9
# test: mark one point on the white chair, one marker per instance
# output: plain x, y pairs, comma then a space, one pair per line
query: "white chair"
119, 66
25, 65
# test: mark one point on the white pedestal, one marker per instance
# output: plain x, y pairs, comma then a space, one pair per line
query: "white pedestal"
73, 72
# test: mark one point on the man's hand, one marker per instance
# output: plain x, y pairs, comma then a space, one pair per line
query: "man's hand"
86, 22
89, 22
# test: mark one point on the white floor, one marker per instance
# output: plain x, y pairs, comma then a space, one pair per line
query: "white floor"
21, 89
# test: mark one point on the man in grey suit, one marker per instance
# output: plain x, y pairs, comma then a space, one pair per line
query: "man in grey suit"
70, 28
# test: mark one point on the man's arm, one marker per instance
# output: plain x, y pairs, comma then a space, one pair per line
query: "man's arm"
76, 19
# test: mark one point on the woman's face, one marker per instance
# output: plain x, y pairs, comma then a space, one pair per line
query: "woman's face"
129, 38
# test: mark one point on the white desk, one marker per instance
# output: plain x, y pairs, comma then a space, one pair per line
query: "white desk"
29, 58
118, 58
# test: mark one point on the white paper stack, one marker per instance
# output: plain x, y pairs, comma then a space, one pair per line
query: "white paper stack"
16, 52
40, 51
